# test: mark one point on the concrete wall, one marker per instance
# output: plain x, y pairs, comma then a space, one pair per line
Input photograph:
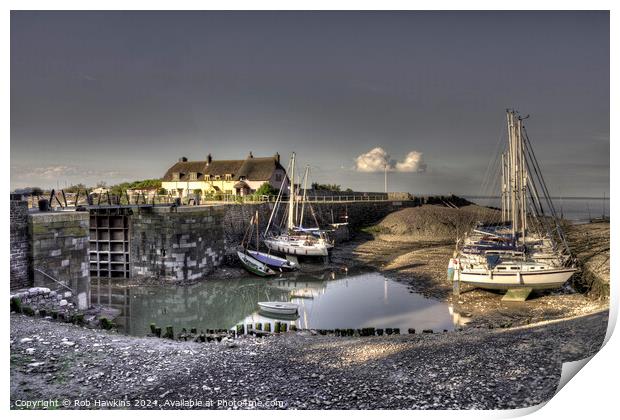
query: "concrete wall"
19, 246
59, 247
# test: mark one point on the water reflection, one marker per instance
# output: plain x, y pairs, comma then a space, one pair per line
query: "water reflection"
325, 301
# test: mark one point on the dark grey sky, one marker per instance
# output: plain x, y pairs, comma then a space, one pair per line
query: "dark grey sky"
121, 95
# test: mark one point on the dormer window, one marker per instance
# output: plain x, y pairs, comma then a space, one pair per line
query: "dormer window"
242, 178
228, 177
217, 177
208, 177
175, 176
193, 176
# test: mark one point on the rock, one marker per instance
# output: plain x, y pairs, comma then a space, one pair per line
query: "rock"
30, 350
36, 364
68, 343
67, 295
63, 302
52, 293
25, 340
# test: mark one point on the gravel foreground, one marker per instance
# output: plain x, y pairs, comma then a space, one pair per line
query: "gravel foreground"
477, 368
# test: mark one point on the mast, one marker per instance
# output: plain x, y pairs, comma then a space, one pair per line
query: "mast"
522, 182
503, 199
303, 203
291, 198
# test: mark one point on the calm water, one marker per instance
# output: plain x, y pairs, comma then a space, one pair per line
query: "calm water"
575, 209
325, 301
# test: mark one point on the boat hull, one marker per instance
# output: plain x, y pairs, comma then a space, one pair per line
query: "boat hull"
280, 308
541, 279
254, 266
272, 261
299, 250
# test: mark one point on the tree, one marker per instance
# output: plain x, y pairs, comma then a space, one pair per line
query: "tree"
325, 187
266, 189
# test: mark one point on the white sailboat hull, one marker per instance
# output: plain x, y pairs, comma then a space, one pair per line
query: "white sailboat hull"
492, 279
317, 249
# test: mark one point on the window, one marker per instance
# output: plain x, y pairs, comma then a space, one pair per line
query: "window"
228, 177
175, 176
217, 177
208, 177
193, 176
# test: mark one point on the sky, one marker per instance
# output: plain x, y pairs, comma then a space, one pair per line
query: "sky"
120, 96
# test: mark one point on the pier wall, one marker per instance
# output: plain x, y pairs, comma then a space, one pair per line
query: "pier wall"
59, 247
19, 245
187, 243
183, 243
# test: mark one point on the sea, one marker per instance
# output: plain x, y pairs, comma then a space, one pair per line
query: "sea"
576, 209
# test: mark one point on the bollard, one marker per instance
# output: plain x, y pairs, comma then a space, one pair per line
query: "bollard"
169, 332
158, 332
411, 330
153, 328
267, 326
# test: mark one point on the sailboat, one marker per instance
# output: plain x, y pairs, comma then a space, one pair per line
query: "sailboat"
527, 249
296, 241
249, 261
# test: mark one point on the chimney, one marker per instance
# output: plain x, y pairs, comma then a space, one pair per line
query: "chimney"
209, 159
277, 156
250, 156
183, 159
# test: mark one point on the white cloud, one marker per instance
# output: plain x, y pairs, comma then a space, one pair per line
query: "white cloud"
413, 163
377, 159
373, 161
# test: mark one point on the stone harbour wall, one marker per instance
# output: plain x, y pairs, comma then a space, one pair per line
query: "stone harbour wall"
19, 246
40, 299
59, 248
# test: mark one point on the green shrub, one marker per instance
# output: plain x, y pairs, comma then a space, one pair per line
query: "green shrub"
105, 323
16, 305
27, 310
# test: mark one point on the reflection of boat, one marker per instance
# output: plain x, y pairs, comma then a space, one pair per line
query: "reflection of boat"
272, 261
284, 308
254, 266
279, 317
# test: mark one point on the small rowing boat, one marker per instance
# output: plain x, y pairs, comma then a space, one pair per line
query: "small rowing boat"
284, 308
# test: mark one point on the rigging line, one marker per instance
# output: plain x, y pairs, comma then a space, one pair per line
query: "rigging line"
276, 205
548, 197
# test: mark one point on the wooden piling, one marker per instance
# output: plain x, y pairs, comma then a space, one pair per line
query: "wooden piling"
411, 330
169, 332
379, 331
153, 328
